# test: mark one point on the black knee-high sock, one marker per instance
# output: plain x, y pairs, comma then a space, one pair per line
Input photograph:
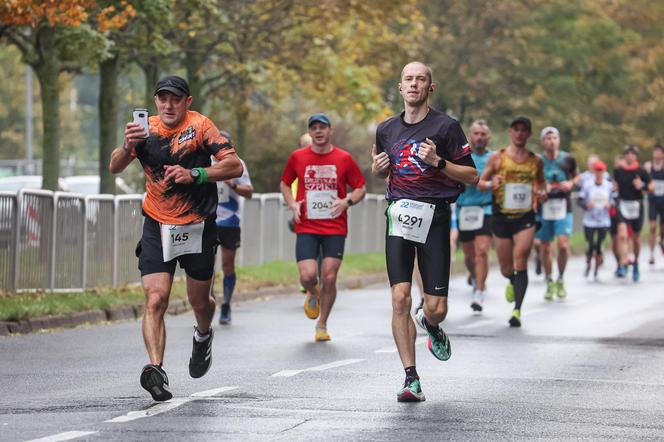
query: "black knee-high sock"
520, 286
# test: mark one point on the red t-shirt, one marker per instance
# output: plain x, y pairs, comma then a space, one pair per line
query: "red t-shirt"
321, 176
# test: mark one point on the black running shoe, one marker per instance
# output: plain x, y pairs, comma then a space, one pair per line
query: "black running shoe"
201, 357
538, 266
155, 381
225, 314
515, 319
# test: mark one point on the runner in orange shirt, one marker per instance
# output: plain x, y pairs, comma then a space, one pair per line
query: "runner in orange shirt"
179, 209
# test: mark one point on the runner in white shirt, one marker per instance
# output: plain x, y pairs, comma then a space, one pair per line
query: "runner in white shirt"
228, 231
597, 197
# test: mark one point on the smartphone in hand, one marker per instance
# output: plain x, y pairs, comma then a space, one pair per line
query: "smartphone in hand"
141, 117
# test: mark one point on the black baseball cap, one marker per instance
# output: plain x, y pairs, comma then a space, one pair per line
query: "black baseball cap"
631, 148
522, 120
321, 118
173, 84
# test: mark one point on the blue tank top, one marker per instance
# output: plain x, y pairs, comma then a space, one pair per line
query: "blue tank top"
471, 196
554, 171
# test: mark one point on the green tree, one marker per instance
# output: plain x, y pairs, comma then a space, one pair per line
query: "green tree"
127, 28
52, 38
252, 55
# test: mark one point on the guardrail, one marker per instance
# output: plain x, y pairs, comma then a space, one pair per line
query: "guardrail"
69, 242
59, 241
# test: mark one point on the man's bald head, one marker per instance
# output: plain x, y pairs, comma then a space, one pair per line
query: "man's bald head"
419, 65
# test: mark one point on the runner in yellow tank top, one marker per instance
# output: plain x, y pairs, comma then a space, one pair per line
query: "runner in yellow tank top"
516, 176
515, 194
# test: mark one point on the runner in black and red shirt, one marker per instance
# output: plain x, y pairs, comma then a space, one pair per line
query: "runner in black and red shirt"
426, 158
324, 172
632, 181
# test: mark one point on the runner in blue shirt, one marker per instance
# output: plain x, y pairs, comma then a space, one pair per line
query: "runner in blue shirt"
474, 216
555, 214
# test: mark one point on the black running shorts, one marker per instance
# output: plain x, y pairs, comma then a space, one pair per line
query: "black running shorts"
433, 256
469, 235
199, 266
309, 246
229, 237
656, 209
636, 224
504, 227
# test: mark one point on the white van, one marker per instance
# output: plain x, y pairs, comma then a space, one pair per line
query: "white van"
89, 184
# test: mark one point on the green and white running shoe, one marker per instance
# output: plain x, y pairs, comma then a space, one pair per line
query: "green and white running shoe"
560, 289
551, 290
438, 343
411, 392
509, 292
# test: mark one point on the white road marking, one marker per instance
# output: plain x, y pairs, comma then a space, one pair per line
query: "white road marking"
213, 392
68, 435
477, 324
168, 405
152, 411
341, 363
286, 373
533, 311
335, 364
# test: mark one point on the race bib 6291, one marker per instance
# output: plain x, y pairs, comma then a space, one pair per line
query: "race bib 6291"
410, 219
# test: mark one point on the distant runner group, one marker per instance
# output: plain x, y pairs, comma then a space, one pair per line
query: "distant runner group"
439, 186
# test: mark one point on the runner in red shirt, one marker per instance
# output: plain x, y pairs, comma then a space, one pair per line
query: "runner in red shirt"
324, 172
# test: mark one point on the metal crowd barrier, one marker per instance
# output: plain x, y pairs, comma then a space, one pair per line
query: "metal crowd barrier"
8, 238
69, 242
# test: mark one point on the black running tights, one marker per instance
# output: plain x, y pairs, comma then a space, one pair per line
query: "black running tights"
594, 237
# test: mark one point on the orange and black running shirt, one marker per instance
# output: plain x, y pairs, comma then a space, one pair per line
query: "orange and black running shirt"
189, 145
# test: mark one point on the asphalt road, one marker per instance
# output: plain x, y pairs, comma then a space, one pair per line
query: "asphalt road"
589, 367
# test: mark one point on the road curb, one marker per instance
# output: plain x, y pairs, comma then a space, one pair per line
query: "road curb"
176, 307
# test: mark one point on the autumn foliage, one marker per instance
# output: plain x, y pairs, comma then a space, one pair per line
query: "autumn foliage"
33, 13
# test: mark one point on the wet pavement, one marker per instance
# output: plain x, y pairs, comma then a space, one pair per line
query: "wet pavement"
588, 367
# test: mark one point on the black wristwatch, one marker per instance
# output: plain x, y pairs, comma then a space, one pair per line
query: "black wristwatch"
195, 174
441, 164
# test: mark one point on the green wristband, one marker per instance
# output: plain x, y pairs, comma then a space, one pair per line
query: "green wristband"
202, 175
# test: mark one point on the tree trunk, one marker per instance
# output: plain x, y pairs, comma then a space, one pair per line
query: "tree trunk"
193, 66
108, 119
48, 70
240, 135
151, 71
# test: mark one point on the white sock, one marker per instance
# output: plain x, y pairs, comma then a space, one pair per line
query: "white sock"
201, 338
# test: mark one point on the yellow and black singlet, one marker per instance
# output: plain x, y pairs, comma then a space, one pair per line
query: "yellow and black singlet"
516, 195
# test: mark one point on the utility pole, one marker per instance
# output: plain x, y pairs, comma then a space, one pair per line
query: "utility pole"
28, 120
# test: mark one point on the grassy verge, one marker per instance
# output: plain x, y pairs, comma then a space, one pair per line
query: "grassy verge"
30, 305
